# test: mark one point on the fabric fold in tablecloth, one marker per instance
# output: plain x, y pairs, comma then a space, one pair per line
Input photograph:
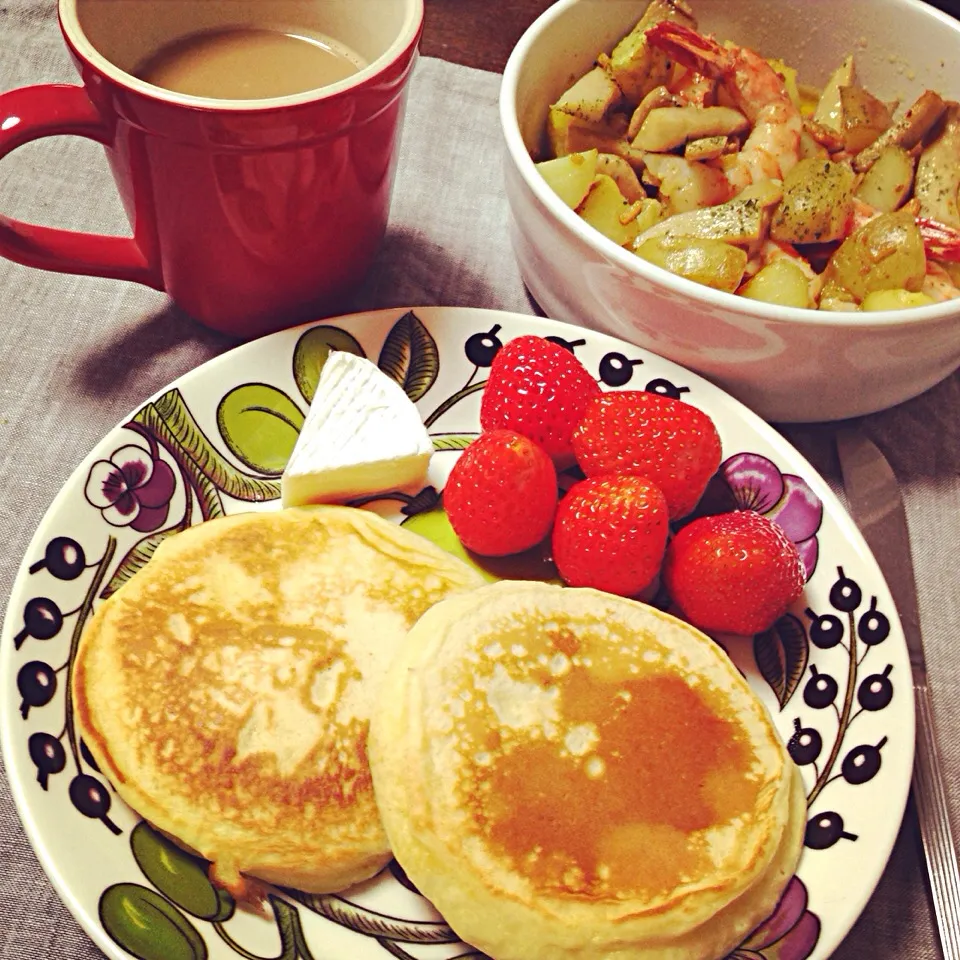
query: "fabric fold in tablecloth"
79, 353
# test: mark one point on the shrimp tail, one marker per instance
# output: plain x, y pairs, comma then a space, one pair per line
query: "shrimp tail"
687, 47
941, 241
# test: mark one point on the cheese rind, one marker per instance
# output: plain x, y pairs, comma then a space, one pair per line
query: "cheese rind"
362, 435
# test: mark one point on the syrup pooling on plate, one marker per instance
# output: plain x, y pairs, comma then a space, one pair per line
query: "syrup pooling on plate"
560, 741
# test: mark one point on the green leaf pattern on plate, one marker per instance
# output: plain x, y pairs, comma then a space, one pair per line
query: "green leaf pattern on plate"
147, 925
410, 356
169, 419
180, 877
452, 441
311, 352
136, 558
781, 654
260, 425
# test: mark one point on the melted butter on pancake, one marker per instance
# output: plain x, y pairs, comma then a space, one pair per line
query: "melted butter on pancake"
519, 705
599, 785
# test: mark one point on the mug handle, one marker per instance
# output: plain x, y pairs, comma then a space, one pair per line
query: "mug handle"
48, 110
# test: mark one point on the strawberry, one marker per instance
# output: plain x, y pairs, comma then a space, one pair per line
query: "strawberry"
667, 441
733, 572
501, 495
610, 534
539, 389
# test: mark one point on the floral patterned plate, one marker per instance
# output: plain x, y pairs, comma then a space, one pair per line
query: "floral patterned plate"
833, 671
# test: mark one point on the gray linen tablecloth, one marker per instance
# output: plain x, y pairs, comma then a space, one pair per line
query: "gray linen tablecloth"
77, 354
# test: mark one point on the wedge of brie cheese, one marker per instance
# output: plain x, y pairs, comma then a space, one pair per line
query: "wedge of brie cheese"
362, 435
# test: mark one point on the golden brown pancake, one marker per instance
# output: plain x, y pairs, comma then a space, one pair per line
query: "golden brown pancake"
226, 689
569, 774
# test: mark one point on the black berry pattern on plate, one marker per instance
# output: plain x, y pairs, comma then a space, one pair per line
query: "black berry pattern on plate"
819, 663
857, 631
570, 345
42, 619
616, 369
47, 754
824, 830
481, 348
666, 388
821, 690
38, 683
63, 557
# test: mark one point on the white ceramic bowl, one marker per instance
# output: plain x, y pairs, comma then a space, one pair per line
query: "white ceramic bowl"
786, 363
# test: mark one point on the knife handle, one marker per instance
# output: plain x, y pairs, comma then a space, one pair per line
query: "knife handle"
930, 798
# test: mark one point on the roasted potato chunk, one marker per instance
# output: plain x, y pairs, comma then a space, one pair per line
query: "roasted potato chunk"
908, 131
894, 300
570, 177
862, 117
634, 64
938, 171
710, 262
829, 112
591, 98
605, 210
666, 128
782, 282
886, 253
817, 203
886, 185
742, 220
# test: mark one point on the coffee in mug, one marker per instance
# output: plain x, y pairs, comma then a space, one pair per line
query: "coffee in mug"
254, 207
249, 63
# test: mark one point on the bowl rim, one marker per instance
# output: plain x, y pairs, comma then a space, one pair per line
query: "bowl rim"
927, 315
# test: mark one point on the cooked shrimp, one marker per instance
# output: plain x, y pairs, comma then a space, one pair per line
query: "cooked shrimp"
756, 89
686, 184
694, 88
941, 242
938, 284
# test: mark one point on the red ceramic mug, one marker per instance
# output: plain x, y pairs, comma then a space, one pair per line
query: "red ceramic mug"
248, 213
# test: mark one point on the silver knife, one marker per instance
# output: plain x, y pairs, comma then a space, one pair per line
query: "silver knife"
877, 507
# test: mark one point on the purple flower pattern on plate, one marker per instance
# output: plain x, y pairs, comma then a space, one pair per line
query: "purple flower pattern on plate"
757, 484
789, 933
131, 489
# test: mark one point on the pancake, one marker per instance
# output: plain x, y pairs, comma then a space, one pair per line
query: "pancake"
569, 774
226, 689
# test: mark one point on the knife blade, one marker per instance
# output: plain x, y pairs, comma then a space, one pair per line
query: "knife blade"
877, 507
875, 502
